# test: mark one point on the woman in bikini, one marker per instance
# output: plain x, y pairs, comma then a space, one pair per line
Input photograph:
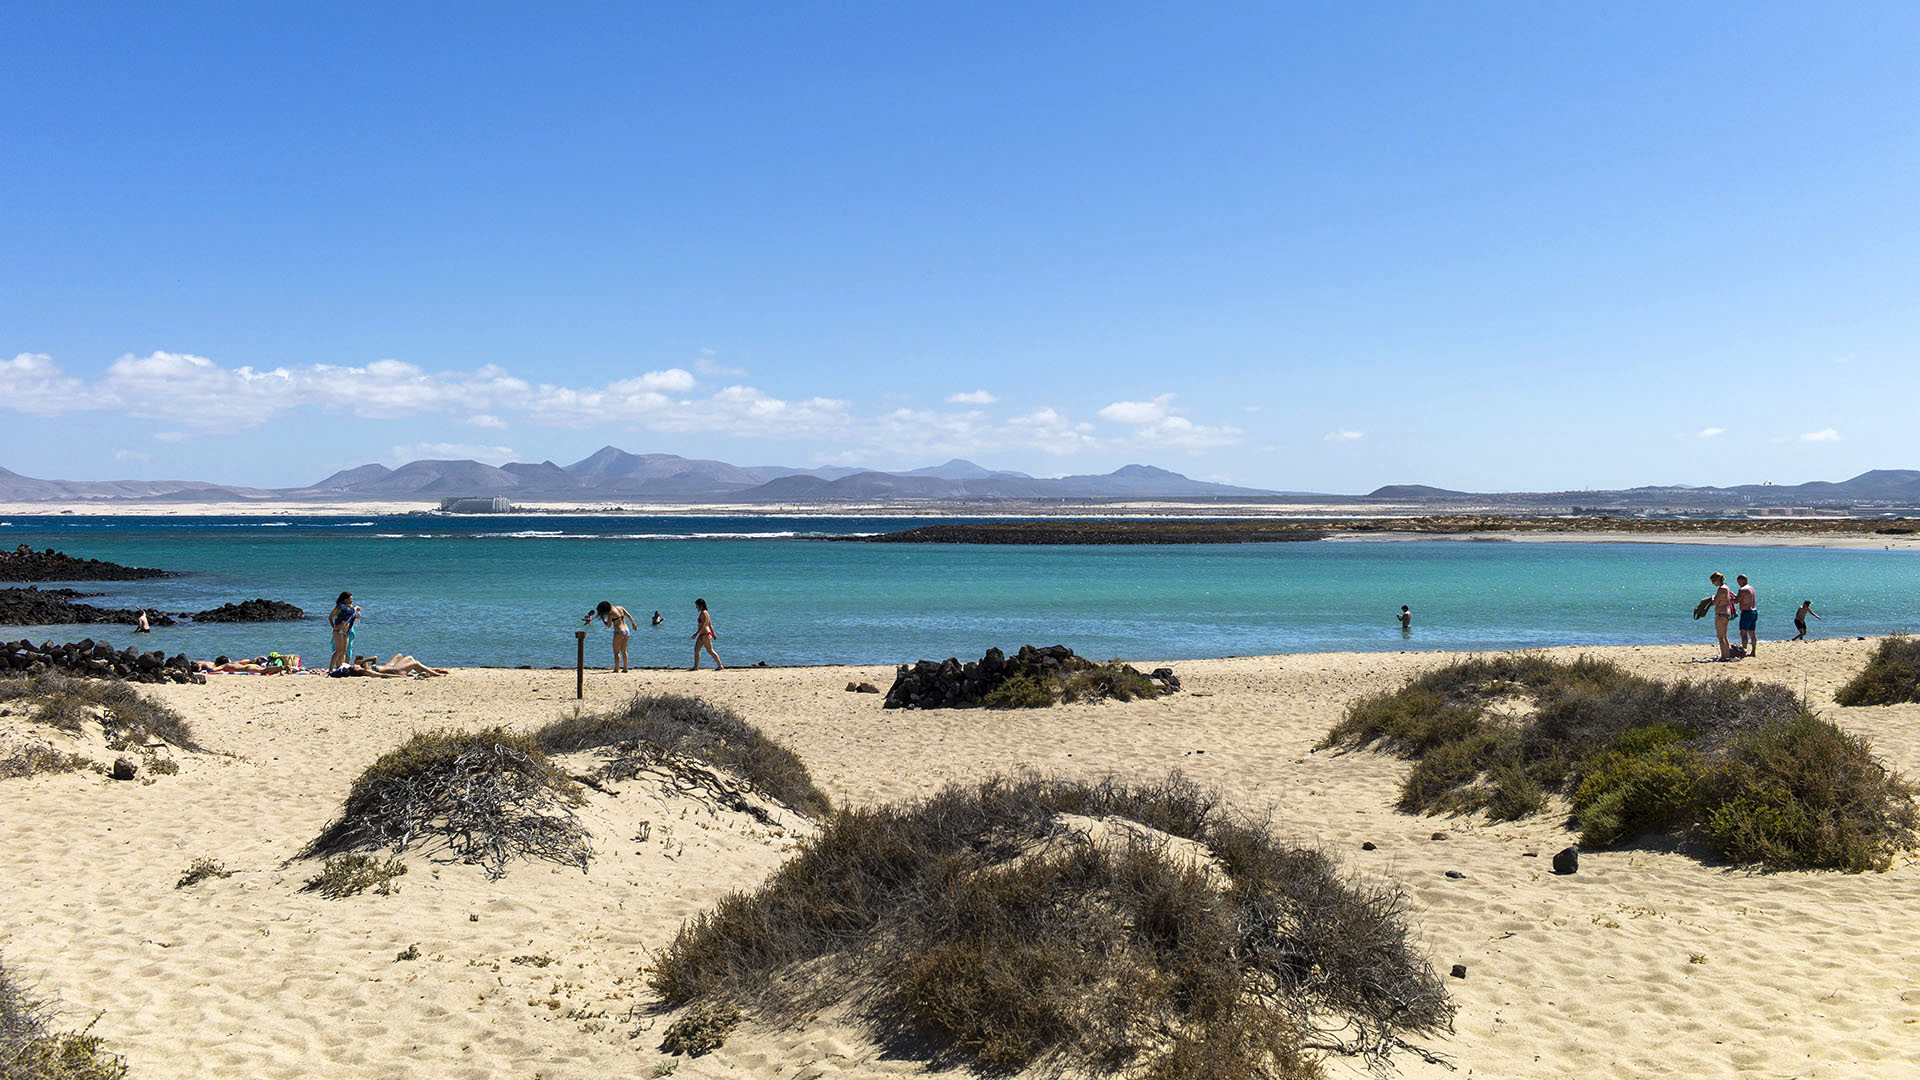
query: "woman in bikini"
622, 625
703, 639
1722, 611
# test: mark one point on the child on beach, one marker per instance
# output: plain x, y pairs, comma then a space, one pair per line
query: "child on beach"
623, 626
703, 636
1800, 619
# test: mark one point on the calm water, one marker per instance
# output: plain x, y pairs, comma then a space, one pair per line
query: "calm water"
506, 591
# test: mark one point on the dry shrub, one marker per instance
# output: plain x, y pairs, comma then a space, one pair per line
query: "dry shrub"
34, 759
966, 926
129, 719
490, 796
1741, 764
349, 875
703, 1030
1891, 677
691, 727
30, 1048
200, 870
1072, 683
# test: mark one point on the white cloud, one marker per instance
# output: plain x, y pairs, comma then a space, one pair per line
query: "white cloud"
1823, 435
202, 396
33, 383
1712, 432
1343, 435
705, 364
130, 455
1184, 433
1137, 412
440, 451
193, 395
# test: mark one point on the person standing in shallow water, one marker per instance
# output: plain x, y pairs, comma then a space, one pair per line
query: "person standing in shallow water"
1800, 619
1405, 617
703, 636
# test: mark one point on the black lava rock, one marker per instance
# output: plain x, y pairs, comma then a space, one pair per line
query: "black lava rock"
257, 610
97, 660
1567, 861
44, 607
25, 564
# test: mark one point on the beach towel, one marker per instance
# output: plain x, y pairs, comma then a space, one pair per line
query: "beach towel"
1700, 609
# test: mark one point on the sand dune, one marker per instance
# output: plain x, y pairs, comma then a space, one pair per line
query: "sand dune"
1646, 962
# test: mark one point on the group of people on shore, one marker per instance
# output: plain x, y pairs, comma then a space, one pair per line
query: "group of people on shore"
622, 624
1741, 606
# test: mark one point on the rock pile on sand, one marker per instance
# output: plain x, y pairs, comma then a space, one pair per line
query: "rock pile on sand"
96, 659
945, 684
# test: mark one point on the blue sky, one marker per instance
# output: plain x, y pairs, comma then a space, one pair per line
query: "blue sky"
1308, 247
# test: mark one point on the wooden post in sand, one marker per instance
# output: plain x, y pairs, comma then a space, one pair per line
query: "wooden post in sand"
580, 664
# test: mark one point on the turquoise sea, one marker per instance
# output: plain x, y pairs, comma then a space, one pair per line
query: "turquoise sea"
505, 591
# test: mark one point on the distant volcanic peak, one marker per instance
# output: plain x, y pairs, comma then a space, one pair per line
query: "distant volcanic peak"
1414, 491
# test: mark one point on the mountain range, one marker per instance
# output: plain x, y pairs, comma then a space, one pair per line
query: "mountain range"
612, 474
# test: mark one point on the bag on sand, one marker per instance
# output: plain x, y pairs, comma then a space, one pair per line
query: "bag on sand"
1700, 609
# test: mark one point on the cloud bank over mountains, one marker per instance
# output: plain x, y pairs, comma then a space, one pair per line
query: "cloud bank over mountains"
194, 395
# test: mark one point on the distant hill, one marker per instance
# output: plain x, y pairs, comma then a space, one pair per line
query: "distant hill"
611, 473
1413, 491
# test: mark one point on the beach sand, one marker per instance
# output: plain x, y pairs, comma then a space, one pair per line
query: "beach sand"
1646, 962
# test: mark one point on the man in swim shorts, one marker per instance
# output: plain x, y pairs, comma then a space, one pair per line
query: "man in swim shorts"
1749, 604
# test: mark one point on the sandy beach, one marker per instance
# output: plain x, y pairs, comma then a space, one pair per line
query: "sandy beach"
1646, 962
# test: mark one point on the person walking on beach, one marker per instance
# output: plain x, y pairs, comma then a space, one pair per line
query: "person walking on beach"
623, 626
1749, 605
1722, 601
703, 636
1405, 617
342, 618
1800, 619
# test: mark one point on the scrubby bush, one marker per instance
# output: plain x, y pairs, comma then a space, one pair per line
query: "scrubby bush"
129, 719
1805, 793
490, 796
33, 759
1019, 692
1167, 939
703, 1030
350, 875
1733, 761
200, 870
30, 1048
1113, 679
1891, 677
690, 726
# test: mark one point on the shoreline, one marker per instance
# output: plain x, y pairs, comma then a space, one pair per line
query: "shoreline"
1332, 523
